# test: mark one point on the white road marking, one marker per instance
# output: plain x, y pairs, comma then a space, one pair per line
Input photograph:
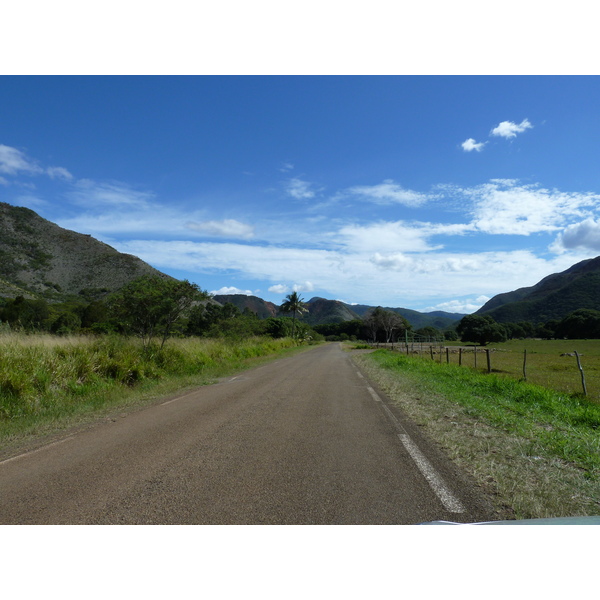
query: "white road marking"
178, 398
435, 481
374, 394
447, 498
36, 450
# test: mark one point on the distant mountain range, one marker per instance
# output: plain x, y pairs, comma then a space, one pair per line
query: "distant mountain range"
39, 259
322, 311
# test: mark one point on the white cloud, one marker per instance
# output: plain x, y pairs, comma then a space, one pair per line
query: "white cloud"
307, 286
463, 306
114, 194
59, 173
428, 264
585, 234
505, 207
385, 237
299, 189
387, 192
470, 145
354, 275
285, 167
227, 228
228, 291
13, 161
508, 129
280, 288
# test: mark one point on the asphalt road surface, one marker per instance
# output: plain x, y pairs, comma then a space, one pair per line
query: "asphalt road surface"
302, 440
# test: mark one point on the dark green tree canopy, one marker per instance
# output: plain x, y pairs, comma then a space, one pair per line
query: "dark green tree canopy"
481, 329
151, 305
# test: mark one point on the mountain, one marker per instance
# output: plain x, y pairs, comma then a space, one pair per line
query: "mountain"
40, 259
438, 319
257, 305
554, 297
322, 311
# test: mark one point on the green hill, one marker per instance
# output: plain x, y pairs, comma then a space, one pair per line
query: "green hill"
40, 259
554, 297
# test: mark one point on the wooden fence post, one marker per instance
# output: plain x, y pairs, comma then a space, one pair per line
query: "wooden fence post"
431, 351
525, 364
460, 357
447, 355
475, 351
487, 356
582, 374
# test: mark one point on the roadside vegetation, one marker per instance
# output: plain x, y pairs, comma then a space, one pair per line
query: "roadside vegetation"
536, 451
155, 335
47, 381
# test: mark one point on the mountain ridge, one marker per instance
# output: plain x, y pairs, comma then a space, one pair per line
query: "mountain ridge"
553, 297
41, 259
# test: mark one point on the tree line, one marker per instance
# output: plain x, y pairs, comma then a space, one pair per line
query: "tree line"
583, 323
154, 307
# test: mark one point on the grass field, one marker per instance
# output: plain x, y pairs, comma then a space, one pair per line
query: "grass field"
536, 451
545, 364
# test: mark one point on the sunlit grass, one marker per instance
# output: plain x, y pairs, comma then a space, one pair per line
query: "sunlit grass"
544, 363
536, 450
44, 379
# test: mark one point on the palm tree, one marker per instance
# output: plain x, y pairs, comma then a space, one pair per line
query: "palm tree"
294, 304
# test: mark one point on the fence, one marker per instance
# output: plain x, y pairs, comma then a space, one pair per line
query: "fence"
572, 372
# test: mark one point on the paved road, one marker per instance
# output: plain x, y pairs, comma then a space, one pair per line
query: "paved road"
302, 440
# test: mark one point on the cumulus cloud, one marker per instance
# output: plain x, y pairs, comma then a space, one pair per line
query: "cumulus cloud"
506, 207
227, 228
387, 192
508, 129
585, 234
280, 288
307, 286
228, 291
463, 306
470, 145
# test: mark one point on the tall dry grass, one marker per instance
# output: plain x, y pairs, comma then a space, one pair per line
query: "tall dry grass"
45, 378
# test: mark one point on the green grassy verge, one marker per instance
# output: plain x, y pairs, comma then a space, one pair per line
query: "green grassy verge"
535, 450
48, 382
550, 363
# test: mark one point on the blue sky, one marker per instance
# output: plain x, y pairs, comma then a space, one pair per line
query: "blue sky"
426, 192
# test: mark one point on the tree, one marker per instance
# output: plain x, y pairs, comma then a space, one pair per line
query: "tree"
294, 304
583, 323
481, 329
150, 306
386, 321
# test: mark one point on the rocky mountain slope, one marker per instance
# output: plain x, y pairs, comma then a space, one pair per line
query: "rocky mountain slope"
40, 259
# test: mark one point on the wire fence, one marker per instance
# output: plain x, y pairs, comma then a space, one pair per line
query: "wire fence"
571, 372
